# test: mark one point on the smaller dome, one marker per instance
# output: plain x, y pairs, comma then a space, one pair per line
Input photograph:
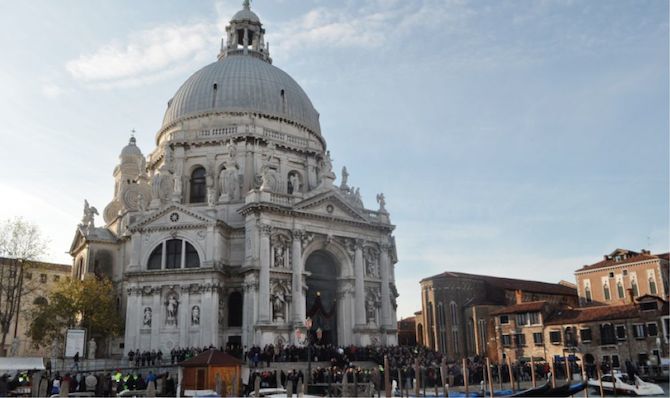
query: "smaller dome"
131, 149
246, 14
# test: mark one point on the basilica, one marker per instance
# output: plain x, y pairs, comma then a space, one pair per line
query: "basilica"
232, 230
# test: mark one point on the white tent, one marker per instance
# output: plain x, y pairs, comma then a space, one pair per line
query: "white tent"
21, 363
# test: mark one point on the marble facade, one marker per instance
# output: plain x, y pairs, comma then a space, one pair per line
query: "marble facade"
232, 229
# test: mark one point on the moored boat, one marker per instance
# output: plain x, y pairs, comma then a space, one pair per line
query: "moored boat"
620, 383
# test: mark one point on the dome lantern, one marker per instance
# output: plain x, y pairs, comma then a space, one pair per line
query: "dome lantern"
245, 35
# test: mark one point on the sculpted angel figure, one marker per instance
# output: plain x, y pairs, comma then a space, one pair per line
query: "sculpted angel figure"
381, 201
89, 213
345, 177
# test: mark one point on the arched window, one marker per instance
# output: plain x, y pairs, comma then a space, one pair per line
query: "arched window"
633, 285
652, 285
587, 293
606, 291
173, 254
156, 258
192, 260
454, 313
235, 309
198, 192
619, 289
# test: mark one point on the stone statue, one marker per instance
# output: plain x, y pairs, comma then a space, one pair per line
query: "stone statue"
357, 196
90, 212
141, 206
195, 315
345, 178
156, 185
370, 309
327, 163
278, 303
92, 346
16, 344
371, 265
279, 256
382, 202
293, 183
229, 184
146, 321
172, 307
222, 312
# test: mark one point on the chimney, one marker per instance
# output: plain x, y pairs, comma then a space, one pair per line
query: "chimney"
630, 296
518, 294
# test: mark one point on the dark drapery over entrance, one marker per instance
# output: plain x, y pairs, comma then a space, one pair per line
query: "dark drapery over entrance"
321, 296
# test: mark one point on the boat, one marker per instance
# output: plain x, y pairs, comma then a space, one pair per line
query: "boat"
565, 390
625, 385
533, 392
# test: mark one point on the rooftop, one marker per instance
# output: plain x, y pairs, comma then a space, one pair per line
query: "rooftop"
39, 264
592, 314
531, 306
622, 256
511, 284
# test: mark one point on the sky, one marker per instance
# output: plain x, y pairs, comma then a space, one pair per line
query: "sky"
519, 138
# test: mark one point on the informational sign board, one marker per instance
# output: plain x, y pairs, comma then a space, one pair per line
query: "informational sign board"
74, 342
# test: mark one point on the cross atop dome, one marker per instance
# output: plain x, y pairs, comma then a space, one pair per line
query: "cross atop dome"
245, 36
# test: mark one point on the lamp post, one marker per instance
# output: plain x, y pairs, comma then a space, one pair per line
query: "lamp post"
308, 326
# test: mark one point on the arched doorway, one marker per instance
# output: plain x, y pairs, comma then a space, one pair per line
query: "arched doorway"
321, 305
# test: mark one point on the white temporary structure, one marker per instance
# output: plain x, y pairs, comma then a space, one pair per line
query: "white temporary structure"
21, 363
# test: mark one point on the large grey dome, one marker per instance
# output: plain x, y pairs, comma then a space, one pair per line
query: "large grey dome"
242, 83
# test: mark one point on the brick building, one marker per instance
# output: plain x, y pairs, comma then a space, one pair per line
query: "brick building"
607, 333
407, 331
611, 333
456, 315
607, 281
36, 280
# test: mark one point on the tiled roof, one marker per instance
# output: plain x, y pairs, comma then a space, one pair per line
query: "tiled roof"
530, 306
511, 284
40, 264
591, 314
633, 259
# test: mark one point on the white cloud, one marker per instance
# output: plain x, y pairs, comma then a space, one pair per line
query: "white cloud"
146, 55
51, 90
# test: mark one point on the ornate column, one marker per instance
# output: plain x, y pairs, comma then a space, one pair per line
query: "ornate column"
296, 287
133, 320
156, 317
184, 317
359, 288
136, 251
264, 276
249, 317
386, 291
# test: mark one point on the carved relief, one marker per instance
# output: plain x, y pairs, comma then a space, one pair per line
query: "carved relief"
371, 258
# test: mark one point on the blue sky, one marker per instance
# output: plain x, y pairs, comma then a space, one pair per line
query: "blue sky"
518, 138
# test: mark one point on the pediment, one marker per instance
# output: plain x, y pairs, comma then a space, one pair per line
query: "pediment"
173, 216
330, 204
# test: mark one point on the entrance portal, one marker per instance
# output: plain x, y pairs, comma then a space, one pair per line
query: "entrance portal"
321, 297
